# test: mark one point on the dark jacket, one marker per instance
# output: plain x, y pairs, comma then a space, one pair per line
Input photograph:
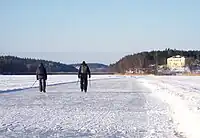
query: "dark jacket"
41, 72
84, 70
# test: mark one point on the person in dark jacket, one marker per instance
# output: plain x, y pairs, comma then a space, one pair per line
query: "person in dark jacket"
83, 73
41, 75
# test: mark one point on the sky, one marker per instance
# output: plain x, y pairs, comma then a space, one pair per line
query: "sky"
71, 31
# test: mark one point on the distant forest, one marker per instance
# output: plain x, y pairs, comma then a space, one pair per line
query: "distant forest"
145, 59
16, 65
95, 67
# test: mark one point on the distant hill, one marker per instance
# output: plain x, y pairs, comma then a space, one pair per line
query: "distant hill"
16, 65
147, 59
95, 67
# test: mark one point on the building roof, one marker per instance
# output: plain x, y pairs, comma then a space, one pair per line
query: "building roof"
177, 56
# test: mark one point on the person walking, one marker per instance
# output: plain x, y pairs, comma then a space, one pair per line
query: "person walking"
83, 73
41, 75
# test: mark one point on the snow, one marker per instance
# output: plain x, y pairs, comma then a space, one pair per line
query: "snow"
182, 94
20, 82
114, 106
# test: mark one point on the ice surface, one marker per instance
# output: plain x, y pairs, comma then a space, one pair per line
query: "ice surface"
120, 107
20, 82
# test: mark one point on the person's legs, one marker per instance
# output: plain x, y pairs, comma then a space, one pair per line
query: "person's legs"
81, 83
44, 85
85, 83
40, 85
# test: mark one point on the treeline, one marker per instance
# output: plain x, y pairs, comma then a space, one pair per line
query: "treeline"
145, 59
95, 67
16, 65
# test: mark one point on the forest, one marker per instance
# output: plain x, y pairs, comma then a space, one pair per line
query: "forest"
14, 65
145, 59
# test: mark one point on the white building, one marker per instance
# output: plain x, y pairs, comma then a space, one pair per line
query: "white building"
177, 62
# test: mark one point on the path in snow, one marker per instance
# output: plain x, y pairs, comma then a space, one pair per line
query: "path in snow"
111, 108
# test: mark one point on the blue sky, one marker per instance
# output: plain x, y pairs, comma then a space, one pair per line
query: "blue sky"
70, 31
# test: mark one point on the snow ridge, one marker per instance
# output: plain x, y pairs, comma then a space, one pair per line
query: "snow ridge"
183, 96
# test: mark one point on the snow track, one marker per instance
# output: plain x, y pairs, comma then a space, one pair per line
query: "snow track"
111, 108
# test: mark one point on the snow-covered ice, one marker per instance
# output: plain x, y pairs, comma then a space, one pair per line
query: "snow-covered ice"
182, 94
120, 107
19, 82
